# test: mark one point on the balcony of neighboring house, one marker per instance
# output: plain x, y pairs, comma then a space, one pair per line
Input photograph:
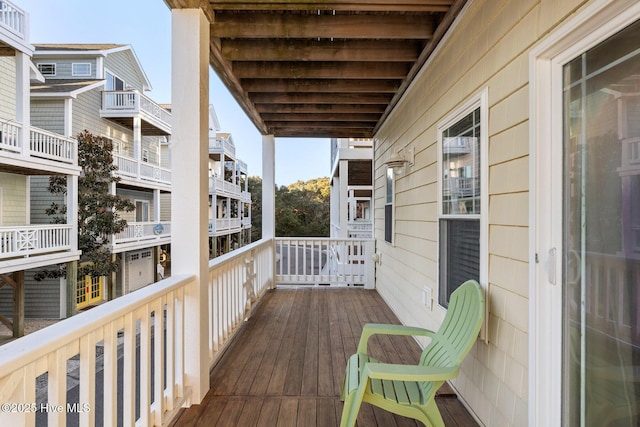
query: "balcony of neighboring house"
36, 151
145, 227
141, 171
124, 106
13, 26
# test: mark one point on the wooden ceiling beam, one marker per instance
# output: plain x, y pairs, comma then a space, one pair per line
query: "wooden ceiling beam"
320, 85
321, 98
323, 50
305, 26
321, 117
321, 70
354, 5
321, 133
319, 125
319, 108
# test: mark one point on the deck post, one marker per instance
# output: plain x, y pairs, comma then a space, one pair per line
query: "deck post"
23, 88
268, 187
189, 198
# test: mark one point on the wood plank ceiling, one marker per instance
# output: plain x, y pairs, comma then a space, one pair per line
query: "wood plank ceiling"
326, 68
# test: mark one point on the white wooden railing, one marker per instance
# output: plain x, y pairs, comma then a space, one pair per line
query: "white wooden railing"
236, 281
42, 143
143, 231
132, 168
119, 102
107, 340
12, 18
222, 186
149, 323
360, 229
29, 240
10, 136
221, 145
325, 261
52, 146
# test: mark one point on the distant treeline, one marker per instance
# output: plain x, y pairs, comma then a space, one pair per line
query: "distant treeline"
302, 208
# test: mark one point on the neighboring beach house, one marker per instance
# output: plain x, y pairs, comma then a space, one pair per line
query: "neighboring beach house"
352, 188
100, 88
27, 153
229, 198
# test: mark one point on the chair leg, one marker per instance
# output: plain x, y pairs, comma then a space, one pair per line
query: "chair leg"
351, 407
433, 414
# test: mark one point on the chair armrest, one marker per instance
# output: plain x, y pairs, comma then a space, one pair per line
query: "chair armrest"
387, 329
388, 371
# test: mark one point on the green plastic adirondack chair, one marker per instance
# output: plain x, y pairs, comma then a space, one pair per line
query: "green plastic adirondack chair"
409, 390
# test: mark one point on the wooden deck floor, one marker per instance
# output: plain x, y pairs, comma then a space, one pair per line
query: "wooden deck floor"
285, 367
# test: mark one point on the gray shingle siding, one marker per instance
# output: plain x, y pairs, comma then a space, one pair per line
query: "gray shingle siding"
123, 65
48, 114
64, 66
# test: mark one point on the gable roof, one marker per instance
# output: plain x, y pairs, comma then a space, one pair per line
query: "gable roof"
97, 49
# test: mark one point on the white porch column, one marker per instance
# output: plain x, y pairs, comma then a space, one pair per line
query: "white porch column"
137, 142
156, 206
23, 88
72, 209
344, 199
189, 246
268, 186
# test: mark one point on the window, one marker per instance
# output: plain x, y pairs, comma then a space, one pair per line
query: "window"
142, 211
388, 208
463, 174
113, 82
145, 155
47, 69
81, 69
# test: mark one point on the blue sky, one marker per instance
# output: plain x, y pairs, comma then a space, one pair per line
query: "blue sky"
146, 25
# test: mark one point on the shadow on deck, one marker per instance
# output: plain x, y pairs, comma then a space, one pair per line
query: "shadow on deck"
285, 367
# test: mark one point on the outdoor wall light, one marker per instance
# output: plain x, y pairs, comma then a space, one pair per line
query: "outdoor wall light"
400, 160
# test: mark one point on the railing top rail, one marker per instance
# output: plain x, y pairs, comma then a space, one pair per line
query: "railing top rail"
330, 239
240, 252
31, 347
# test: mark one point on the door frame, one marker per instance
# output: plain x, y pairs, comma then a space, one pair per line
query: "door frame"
596, 22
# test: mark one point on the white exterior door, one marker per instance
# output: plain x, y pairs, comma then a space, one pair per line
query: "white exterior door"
585, 293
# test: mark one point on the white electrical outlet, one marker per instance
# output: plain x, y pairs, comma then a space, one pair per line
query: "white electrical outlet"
426, 297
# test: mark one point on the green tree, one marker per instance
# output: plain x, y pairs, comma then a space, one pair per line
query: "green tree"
98, 210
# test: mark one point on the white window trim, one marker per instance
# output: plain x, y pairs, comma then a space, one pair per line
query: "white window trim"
55, 68
595, 23
481, 100
393, 206
148, 203
73, 69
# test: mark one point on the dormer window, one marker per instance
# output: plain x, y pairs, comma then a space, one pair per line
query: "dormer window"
81, 69
47, 69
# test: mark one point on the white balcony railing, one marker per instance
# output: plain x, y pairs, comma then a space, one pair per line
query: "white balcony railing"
128, 103
148, 324
224, 225
143, 231
220, 186
138, 170
360, 229
325, 261
12, 18
30, 240
221, 145
43, 144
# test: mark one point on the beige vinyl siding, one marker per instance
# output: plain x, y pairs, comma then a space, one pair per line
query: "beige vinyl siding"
48, 114
14, 200
64, 66
123, 65
165, 207
488, 48
7, 88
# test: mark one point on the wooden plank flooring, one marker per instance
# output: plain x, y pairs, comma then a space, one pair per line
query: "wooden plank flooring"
286, 365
